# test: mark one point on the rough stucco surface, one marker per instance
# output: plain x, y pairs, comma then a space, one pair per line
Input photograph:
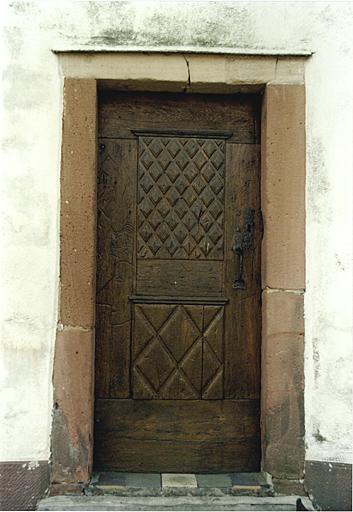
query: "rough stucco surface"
32, 105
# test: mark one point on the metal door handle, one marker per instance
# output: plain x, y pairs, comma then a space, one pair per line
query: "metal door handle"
243, 242
239, 283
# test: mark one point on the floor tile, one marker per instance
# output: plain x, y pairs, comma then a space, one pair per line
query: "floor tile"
111, 478
214, 481
247, 479
188, 480
178, 480
143, 480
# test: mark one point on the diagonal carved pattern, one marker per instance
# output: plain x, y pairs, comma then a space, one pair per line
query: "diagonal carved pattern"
180, 197
212, 374
177, 352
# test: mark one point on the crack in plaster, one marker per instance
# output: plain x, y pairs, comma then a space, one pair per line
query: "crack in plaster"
188, 84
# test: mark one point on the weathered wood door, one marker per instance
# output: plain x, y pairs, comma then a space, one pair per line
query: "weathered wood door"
178, 283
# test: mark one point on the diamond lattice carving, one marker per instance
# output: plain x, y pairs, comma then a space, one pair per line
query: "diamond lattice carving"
177, 352
180, 197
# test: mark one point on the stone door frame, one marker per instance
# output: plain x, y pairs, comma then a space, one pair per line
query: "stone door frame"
280, 81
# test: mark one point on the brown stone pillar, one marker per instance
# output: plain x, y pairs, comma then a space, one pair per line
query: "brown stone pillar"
73, 377
283, 278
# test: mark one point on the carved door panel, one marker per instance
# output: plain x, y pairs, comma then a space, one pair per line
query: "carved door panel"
178, 283
186, 341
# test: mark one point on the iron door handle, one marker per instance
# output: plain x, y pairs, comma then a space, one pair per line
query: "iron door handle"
239, 283
243, 241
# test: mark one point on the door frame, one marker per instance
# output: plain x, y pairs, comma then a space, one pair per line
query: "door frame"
280, 80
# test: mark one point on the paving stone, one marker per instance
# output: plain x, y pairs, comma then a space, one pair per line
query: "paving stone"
179, 480
111, 478
117, 480
247, 479
214, 481
174, 503
143, 480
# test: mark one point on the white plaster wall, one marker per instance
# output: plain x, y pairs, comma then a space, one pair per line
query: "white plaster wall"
31, 113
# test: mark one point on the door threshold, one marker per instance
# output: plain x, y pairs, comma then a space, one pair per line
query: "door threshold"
114, 503
179, 484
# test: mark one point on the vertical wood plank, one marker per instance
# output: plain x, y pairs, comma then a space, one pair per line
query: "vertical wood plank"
115, 265
243, 312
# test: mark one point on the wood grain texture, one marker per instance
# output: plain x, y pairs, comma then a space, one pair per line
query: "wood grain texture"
121, 112
178, 278
204, 301
167, 435
115, 265
213, 353
243, 313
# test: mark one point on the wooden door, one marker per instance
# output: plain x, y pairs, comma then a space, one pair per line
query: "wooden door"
178, 283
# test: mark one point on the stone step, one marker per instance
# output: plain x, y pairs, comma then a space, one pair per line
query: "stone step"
114, 490
174, 503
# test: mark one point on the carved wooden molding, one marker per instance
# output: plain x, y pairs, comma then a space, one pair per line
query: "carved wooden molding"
143, 299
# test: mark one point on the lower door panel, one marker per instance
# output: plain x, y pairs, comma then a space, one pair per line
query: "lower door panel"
177, 435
